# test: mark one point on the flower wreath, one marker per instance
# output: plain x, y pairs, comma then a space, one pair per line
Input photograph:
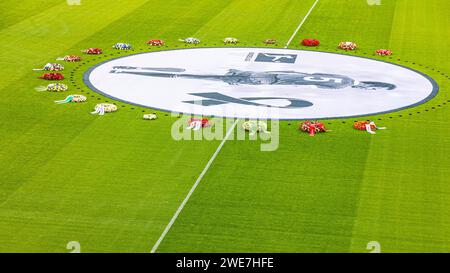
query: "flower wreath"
255, 127
103, 108
230, 40
53, 87
52, 76
190, 40
155, 42
383, 52
51, 67
69, 58
270, 41
72, 98
150, 116
93, 51
348, 46
312, 127
368, 126
310, 42
204, 121
122, 46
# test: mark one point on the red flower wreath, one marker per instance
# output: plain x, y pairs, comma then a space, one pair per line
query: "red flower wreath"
52, 76
155, 42
361, 125
312, 127
92, 50
205, 122
383, 52
310, 42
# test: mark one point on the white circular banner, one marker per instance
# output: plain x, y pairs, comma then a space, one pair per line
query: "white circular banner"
260, 83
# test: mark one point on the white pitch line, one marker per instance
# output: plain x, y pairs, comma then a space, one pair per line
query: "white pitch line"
301, 24
186, 199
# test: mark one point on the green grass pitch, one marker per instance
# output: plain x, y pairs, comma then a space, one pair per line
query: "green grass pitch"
113, 183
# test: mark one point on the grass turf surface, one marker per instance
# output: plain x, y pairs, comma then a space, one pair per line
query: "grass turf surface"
113, 183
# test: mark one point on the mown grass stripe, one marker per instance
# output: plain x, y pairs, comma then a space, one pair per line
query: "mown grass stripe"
191, 191
301, 24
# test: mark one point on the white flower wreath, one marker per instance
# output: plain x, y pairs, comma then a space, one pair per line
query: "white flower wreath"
255, 127
150, 116
103, 108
